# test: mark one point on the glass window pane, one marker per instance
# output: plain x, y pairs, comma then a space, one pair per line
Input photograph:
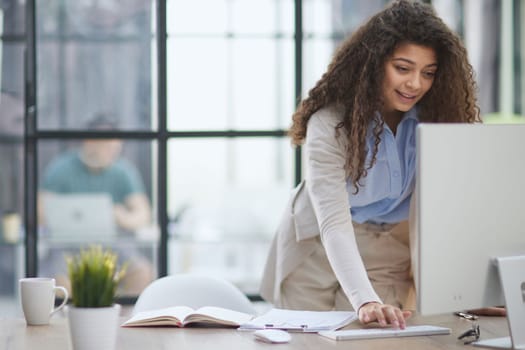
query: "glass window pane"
197, 83
96, 58
196, 16
11, 169
254, 16
326, 23
242, 78
11, 152
12, 70
223, 16
317, 16
326, 17
11, 193
248, 84
317, 54
450, 11
12, 17
98, 191
224, 208
262, 16
262, 84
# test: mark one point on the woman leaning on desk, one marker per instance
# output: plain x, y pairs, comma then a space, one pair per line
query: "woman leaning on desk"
343, 241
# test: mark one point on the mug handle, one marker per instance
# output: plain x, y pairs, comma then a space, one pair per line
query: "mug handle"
66, 297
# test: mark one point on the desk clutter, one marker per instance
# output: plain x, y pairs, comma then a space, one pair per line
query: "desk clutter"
16, 334
291, 320
273, 326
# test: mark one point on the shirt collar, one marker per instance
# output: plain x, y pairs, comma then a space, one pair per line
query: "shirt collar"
411, 114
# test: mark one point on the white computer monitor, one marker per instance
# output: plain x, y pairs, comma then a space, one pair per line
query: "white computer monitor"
470, 209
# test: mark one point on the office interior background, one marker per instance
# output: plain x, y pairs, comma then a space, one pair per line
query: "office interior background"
202, 93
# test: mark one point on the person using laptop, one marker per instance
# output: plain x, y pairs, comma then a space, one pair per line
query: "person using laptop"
96, 167
343, 242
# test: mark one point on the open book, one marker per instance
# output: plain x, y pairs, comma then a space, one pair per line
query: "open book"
180, 316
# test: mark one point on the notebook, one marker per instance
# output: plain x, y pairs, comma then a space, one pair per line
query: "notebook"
80, 216
371, 333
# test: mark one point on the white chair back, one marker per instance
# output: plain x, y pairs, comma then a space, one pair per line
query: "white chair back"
194, 291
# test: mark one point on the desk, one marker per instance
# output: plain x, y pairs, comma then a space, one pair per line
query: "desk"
15, 335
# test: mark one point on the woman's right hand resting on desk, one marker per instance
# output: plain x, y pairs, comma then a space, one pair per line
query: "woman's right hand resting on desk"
384, 314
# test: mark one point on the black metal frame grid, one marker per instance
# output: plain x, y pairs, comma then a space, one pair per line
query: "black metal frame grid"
32, 134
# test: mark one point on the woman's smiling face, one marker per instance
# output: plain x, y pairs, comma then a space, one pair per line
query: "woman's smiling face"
409, 74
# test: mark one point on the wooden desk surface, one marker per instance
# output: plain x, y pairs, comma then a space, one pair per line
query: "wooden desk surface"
15, 335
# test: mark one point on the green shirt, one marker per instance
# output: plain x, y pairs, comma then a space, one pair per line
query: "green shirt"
68, 174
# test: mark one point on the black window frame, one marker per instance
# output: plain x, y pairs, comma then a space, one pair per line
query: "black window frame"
32, 135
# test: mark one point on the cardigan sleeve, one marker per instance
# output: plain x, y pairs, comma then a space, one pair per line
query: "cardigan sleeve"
325, 157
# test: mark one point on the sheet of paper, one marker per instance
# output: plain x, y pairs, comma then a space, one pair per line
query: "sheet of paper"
298, 320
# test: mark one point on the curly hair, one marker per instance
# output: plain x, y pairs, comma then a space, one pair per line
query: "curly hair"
353, 80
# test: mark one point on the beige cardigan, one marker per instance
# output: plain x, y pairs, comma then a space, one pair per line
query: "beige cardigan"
319, 206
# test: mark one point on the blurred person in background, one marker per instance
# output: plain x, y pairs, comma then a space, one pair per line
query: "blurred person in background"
97, 167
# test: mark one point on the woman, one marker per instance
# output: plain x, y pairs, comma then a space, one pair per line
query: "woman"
343, 242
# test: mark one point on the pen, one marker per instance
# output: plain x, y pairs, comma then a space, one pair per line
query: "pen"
466, 315
302, 327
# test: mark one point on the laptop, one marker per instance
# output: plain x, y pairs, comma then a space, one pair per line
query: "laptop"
80, 217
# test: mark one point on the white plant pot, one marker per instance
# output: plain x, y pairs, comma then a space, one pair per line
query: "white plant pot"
93, 328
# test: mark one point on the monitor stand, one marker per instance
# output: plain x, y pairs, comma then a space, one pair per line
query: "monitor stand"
512, 278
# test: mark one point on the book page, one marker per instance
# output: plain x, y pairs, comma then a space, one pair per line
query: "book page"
171, 316
219, 315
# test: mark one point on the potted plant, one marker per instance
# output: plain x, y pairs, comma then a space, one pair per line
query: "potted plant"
93, 315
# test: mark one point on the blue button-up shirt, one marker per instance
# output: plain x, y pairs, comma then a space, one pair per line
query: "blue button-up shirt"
384, 196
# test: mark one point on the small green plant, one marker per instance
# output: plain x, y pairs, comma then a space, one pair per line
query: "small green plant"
94, 277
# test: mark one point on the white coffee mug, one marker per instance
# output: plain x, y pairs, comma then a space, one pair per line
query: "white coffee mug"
37, 296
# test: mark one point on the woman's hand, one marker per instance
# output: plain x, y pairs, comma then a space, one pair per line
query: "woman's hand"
384, 314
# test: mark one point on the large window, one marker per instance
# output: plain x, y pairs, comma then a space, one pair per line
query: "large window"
189, 101
229, 73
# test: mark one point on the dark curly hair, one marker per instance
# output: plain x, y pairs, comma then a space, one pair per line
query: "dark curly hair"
353, 80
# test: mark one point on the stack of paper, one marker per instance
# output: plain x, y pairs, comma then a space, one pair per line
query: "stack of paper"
301, 321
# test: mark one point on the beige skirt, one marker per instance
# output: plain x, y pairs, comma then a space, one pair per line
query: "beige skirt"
386, 255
